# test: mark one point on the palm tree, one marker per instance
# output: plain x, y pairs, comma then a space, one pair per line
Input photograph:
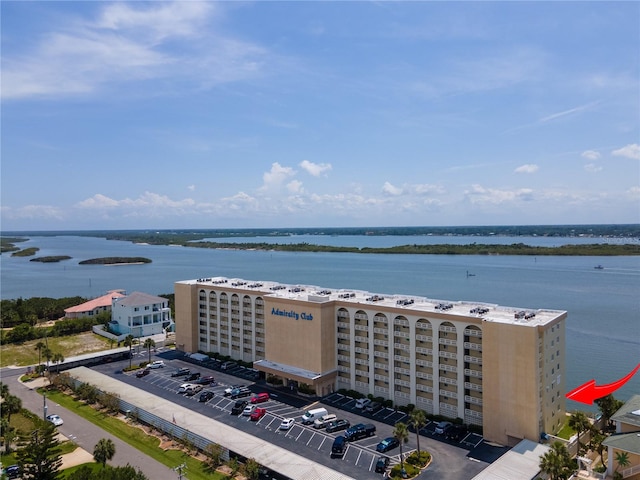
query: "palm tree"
401, 433
104, 450
622, 460
556, 463
11, 405
128, 342
580, 423
149, 343
418, 420
48, 354
40, 346
57, 358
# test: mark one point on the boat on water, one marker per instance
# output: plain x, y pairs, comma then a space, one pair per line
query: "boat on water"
599, 267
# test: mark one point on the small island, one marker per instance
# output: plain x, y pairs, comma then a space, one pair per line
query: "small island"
51, 259
115, 261
25, 252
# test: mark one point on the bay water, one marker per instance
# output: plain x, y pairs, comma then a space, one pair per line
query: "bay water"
603, 305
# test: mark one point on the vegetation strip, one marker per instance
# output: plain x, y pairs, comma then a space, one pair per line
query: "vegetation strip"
114, 260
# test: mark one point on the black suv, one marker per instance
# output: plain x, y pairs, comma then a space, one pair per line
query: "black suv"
339, 446
181, 372
382, 464
239, 407
206, 396
360, 431
193, 376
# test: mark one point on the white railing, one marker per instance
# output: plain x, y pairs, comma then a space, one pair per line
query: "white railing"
631, 471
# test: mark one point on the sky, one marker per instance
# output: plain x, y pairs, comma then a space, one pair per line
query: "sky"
189, 114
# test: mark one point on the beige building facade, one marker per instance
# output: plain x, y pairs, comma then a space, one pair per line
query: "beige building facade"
499, 367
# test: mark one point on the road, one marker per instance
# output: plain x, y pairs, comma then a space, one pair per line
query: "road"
83, 432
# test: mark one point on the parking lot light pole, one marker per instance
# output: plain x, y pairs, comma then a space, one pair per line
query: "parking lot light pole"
44, 404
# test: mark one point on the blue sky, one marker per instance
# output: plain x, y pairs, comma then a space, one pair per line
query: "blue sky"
282, 114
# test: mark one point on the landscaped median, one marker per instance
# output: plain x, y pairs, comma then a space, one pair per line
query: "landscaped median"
138, 438
413, 465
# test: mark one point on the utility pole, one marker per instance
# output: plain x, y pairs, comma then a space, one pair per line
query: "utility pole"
179, 469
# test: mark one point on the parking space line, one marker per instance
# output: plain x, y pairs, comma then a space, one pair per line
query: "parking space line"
373, 459
273, 420
322, 442
312, 435
301, 432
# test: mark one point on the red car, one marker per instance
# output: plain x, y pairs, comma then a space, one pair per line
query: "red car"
257, 414
261, 397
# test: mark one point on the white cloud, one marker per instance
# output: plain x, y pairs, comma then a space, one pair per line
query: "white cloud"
493, 196
570, 111
590, 155
146, 200
98, 201
634, 193
389, 189
191, 188
295, 186
527, 168
315, 169
592, 168
33, 212
125, 45
628, 151
274, 178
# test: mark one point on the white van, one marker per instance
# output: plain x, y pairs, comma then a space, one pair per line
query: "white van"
324, 420
311, 416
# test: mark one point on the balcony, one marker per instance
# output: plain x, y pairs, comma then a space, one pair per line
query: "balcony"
444, 354
448, 393
404, 371
424, 338
473, 386
473, 346
473, 333
426, 376
447, 368
424, 388
402, 346
470, 359
444, 328
473, 373
474, 400
448, 381
423, 363
446, 341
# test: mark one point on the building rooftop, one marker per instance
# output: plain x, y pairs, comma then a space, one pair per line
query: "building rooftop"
412, 303
140, 298
628, 442
103, 301
520, 463
629, 413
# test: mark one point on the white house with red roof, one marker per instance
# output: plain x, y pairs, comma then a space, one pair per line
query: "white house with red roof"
95, 306
140, 314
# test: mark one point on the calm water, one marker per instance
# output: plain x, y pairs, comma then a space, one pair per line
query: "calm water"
603, 327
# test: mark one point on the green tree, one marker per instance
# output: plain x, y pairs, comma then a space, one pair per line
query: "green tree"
40, 346
557, 463
252, 469
213, 452
128, 342
11, 405
57, 358
149, 343
608, 406
401, 433
104, 450
40, 458
580, 423
622, 460
418, 419
47, 353
107, 473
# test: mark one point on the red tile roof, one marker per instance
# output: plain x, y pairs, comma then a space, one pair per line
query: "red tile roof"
103, 301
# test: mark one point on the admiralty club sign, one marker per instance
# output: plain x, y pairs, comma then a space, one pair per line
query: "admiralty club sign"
291, 314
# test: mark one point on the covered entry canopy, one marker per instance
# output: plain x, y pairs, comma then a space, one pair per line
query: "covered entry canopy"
294, 373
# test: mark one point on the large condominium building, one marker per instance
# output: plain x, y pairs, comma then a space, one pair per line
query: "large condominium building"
499, 367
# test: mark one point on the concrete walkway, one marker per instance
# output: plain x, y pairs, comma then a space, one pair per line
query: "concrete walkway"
84, 433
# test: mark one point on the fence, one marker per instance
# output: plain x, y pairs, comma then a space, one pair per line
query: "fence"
168, 427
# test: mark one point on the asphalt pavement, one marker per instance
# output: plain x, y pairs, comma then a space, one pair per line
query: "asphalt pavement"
81, 431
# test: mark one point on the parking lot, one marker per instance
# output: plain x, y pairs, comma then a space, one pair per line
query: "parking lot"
360, 456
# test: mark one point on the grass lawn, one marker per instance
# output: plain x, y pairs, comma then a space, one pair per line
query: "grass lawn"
566, 431
136, 438
71, 345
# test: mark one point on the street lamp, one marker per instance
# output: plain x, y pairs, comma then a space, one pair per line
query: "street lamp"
44, 402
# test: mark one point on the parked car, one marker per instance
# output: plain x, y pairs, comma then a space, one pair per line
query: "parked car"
183, 387
257, 414
362, 403
456, 433
442, 427
228, 365
359, 431
382, 464
260, 398
229, 390
373, 407
193, 389
238, 407
339, 447
55, 419
248, 410
287, 423
206, 396
156, 364
181, 372
240, 393
12, 471
193, 376
325, 420
387, 444
143, 373
206, 380
337, 425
